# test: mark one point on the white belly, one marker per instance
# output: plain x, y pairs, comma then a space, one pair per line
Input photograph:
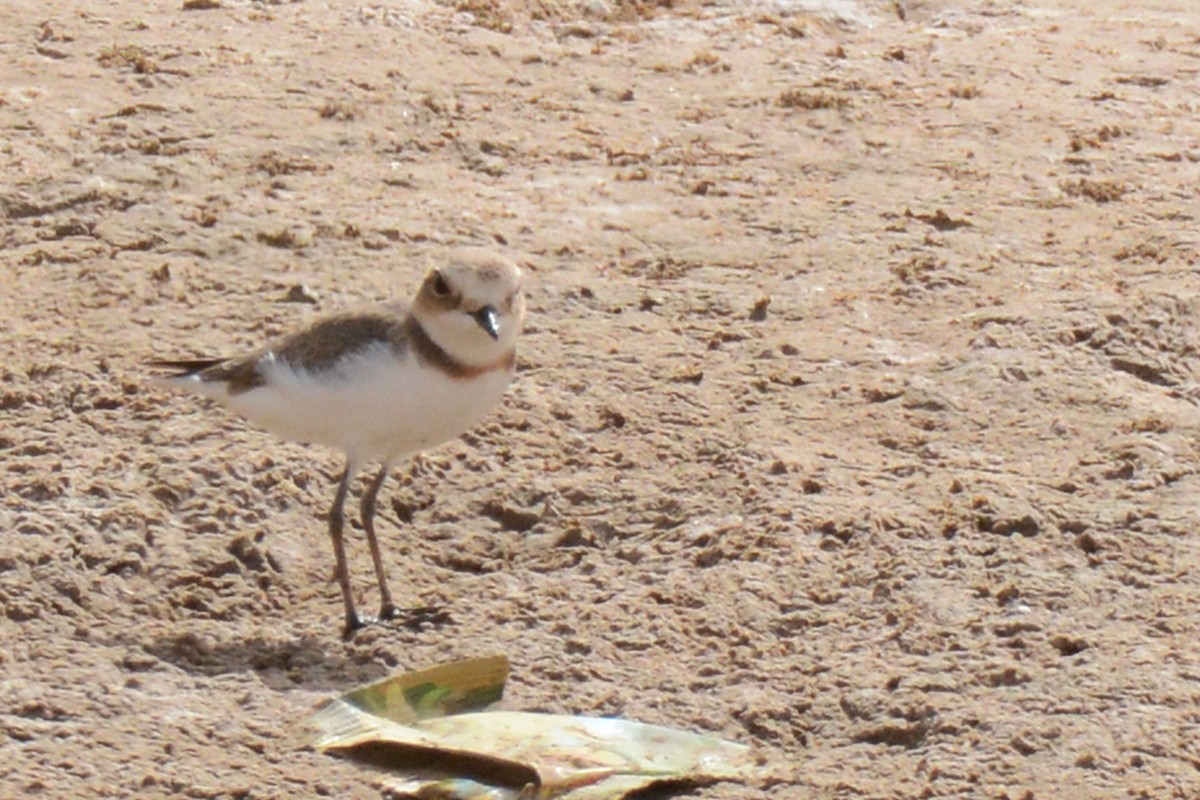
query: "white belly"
373, 408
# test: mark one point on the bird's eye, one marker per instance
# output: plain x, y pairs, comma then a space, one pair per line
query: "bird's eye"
440, 287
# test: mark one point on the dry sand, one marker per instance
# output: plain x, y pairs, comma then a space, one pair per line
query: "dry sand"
858, 408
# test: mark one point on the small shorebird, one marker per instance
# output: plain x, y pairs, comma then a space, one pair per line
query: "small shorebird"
381, 383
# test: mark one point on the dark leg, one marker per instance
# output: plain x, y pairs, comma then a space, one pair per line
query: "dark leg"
413, 618
387, 610
336, 522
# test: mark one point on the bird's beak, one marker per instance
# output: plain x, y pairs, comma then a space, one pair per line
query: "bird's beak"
486, 317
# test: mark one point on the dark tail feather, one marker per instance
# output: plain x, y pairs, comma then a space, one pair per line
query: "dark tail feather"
187, 366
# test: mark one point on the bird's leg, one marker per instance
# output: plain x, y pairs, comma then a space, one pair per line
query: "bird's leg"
387, 610
414, 618
336, 523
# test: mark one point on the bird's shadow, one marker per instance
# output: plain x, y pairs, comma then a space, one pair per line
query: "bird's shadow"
306, 661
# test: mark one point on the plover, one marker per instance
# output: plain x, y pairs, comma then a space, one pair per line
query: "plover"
381, 383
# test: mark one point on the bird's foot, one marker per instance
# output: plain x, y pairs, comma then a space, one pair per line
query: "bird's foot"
416, 618
354, 623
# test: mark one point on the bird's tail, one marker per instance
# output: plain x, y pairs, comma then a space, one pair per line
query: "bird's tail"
215, 378
187, 374
184, 368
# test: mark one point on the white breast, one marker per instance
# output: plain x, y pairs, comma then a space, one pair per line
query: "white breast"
373, 407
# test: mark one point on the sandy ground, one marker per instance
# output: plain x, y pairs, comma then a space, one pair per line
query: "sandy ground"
857, 416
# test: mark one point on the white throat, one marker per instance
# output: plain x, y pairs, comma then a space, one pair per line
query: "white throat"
465, 341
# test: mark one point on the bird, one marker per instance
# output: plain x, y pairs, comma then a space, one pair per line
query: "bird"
380, 383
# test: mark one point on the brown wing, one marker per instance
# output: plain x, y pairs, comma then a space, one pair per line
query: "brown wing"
321, 345
315, 349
